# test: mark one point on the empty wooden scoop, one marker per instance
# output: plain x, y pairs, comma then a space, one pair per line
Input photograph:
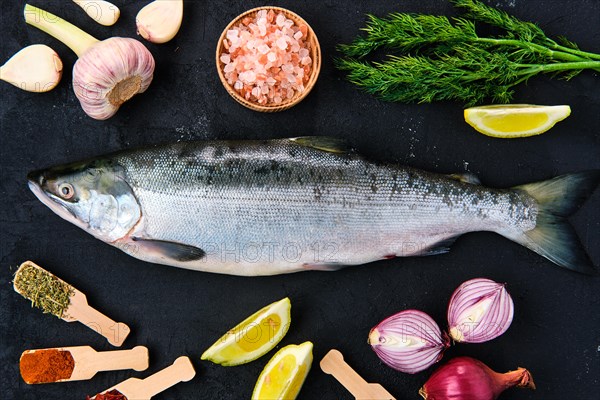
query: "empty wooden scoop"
55, 296
182, 370
333, 363
84, 361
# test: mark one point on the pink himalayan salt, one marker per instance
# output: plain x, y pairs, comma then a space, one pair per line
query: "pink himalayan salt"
267, 58
280, 20
281, 43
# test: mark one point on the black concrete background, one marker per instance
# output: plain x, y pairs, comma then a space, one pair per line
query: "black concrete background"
556, 329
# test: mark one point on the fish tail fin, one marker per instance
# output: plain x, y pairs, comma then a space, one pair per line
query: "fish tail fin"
553, 237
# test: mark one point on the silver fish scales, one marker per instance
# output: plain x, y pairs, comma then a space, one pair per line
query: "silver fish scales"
279, 206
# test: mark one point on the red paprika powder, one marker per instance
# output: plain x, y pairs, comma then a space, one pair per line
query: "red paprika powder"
46, 366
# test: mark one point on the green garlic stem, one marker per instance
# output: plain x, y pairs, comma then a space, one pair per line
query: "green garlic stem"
78, 40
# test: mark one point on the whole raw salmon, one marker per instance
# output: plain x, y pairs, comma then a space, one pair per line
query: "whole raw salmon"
279, 206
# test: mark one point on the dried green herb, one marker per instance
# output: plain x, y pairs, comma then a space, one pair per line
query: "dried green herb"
439, 58
45, 290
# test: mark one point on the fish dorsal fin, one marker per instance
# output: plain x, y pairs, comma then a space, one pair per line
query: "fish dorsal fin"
323, 143
466, 177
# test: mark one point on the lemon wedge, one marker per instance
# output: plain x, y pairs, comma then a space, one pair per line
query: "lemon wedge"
253, 337
515, 120
284, 374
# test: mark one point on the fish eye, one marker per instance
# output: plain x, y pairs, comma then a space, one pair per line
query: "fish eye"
66, 191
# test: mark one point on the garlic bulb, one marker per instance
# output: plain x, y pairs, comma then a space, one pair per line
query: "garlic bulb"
159, 21
36, 68
101, 11
107, 73
130, 68
479, 310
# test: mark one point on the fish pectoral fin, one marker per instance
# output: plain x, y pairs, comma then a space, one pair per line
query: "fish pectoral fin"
323, 143
439, 247
333, 266
466, 177
170, 250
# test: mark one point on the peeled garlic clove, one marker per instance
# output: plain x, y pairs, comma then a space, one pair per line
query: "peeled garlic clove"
479, 310
409, 341
110, 73
160, 20
36, 68
101, 11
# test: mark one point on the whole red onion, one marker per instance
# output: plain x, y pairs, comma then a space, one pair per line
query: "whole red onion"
465, 378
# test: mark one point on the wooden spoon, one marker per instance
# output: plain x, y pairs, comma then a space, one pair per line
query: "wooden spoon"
333, 363
181, 370
79, 310
88, 362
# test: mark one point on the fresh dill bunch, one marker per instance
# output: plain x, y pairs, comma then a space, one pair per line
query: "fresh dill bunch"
421, 79
407, 32
438, 58
514, 27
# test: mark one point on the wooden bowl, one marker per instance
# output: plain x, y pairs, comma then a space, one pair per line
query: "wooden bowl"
315, 55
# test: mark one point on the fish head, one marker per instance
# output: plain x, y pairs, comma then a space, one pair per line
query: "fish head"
92, 195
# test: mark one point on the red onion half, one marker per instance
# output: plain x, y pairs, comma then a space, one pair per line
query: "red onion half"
409, 341
465, 378
479, 310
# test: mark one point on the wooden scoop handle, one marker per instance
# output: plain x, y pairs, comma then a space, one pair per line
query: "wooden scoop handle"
136, 359
80, 310
181, 370
333, 363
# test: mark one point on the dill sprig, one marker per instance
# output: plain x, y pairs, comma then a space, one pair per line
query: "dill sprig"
445, 59
407, 32
514, 27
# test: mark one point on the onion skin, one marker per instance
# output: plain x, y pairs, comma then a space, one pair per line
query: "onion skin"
479, 310
465, 378
110, 73
409, 341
